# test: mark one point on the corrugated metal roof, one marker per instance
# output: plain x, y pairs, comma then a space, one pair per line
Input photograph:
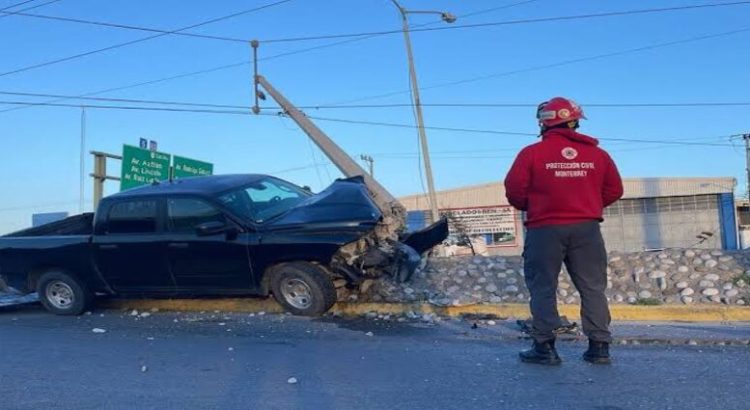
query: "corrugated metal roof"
493, 193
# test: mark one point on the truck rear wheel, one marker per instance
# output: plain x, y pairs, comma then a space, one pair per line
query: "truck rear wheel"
63, 294
303, 288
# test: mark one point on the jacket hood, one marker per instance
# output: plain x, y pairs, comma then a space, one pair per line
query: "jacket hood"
571, 135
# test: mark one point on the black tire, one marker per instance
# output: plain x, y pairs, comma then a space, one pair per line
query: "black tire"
319, 295
63, 294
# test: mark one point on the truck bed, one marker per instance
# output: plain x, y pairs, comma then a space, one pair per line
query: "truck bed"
82, 224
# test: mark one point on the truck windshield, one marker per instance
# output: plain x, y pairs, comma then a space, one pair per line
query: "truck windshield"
264, 199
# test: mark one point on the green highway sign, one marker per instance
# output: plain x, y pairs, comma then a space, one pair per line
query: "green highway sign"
142, 167
186, 167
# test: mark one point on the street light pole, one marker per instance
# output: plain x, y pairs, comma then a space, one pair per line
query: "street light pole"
449, 18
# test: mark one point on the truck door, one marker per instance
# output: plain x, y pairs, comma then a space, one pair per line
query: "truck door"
206, 261
130, 247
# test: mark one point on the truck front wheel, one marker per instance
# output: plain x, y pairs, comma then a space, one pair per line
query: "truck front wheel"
303, 288
63, 294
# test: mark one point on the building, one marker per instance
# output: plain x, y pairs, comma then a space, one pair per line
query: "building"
743, 220
654, 213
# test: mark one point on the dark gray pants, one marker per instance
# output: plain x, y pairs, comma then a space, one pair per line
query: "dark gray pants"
581, 247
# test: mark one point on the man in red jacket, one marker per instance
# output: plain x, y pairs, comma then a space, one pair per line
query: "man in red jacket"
562, 183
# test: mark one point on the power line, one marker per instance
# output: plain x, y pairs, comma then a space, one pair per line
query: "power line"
246, 111
128, 107
512, 22
16, 5
559, 64
483, 131
123, 26
246, 62
397, 105
492, 9
528, 105
195, 35
124, 100
11, 13
140, 40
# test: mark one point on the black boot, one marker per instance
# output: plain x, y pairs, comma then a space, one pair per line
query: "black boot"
541, 353
598, 353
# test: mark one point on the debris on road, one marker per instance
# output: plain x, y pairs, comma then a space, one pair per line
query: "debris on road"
98, 330
292, 380
567, 326
144, 369
369, 334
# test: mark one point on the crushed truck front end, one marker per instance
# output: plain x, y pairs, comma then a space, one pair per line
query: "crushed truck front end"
381, 248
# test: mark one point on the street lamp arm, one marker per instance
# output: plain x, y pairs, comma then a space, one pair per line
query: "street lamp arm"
400, 9
445, 16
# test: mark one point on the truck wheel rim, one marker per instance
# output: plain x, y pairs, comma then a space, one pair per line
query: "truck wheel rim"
60, 294
297, 293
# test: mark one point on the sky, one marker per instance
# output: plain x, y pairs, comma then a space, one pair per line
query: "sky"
520, 64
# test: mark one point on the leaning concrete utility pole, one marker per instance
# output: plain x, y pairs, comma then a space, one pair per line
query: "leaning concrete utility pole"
387, 203
448, 18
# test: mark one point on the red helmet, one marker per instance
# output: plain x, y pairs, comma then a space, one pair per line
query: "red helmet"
557, 111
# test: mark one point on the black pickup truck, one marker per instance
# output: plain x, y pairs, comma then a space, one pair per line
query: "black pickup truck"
215, 235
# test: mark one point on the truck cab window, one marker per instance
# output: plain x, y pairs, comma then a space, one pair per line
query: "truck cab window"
184, 214
264, 199
132, 217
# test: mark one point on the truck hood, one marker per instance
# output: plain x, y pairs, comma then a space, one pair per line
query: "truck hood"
346, 202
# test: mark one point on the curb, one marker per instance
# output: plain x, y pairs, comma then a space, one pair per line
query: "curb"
618, 312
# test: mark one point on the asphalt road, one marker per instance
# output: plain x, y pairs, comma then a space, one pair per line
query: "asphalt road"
232, 361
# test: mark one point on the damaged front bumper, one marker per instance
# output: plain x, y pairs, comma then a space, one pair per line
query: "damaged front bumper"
376, 255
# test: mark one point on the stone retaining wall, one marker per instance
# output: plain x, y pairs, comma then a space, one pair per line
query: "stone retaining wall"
680, 276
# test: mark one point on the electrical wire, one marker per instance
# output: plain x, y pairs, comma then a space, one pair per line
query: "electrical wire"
397, 105
513, 22
527, 105
493, 9
16, 5
557, 64
245, 62
246, 111
123, 26
140, 40
6, 13
195, 35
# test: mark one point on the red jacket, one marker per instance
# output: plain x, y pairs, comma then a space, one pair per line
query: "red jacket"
566, 178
